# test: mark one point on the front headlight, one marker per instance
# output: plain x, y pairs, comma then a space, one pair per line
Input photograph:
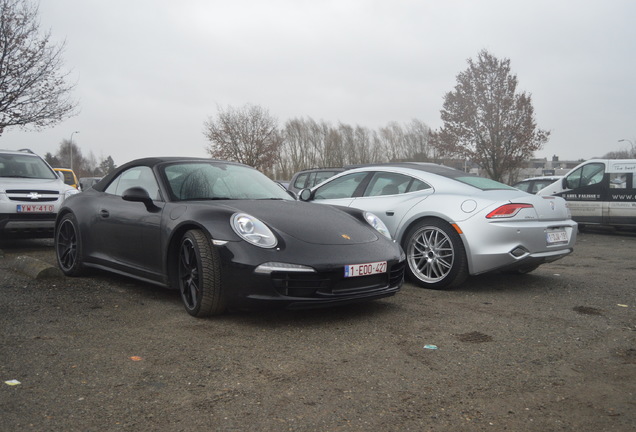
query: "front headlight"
376, 223
253, 230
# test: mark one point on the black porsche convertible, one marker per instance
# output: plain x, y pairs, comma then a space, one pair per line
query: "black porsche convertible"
227, 237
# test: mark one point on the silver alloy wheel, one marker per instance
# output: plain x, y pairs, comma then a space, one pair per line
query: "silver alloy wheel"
430, 254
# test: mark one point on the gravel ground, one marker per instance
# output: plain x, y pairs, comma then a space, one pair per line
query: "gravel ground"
549, 351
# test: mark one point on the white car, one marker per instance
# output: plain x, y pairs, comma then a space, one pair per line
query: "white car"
31, 194
535, 184
452, 224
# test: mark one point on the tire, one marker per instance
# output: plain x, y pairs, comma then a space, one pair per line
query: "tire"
435, 255
68, 246
199, 273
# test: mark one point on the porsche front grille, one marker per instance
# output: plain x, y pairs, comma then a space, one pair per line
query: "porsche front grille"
294, 284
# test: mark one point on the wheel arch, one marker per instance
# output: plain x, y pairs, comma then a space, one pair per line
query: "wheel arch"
172, 250
435, 216
60, 214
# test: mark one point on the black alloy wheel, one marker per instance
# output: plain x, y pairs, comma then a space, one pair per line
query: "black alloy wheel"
68, 246
199, 273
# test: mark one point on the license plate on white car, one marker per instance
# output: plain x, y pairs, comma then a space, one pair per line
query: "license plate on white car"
366, 269
555, 237
35, 208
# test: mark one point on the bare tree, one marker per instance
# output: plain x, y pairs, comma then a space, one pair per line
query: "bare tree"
618, 154
69, 155
417, 146
33, 89
247, 135
487, 121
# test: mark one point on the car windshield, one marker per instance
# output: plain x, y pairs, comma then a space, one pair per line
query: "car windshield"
218, 181
24, 166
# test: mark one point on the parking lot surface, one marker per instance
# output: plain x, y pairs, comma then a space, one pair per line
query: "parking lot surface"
552, 350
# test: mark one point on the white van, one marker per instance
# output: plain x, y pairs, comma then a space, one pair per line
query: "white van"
599, 192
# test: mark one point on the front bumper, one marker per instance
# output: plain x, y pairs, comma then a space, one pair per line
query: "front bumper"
15, 225
325, 286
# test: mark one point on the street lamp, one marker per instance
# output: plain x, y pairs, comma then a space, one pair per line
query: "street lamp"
71, 147
630, 143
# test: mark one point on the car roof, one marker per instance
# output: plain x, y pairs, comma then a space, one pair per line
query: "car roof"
428, 167
25, 152
337, 169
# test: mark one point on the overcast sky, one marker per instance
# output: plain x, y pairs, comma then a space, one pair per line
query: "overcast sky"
149, 73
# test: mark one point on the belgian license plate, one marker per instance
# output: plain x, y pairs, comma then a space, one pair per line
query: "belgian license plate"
365, 269
555, 237
35, 208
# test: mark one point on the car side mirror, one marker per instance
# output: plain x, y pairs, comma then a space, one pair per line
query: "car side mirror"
304, 195
139, 194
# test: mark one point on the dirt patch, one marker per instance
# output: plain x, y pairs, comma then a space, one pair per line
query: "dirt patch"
550, 351
586, 310
474, 337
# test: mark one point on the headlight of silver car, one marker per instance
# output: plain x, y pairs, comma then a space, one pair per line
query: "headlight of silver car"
70, 192
253, 230
376, 223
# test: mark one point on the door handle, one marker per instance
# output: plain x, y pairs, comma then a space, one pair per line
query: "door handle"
104, 213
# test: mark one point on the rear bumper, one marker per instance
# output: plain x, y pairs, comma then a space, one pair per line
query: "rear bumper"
533, 260
514, 245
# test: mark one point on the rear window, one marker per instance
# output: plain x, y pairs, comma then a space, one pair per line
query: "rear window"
482, 183
471, 180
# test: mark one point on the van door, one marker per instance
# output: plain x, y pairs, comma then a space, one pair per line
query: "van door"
586, 189
622, 199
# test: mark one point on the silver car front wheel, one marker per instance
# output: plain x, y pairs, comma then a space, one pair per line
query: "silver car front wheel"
435, 254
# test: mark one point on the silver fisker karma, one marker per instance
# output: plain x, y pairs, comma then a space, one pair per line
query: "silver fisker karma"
452, 224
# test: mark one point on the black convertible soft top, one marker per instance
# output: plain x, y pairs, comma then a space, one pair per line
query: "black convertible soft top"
151, 162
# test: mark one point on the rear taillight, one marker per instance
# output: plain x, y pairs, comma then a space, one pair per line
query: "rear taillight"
507, 211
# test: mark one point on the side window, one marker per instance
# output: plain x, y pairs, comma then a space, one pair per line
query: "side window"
311, 180
384, 183
593, 173
140, 176
417, 185
342, 187
536, 186
586, 175
321, 176
618, 181
573, 181
299, 183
